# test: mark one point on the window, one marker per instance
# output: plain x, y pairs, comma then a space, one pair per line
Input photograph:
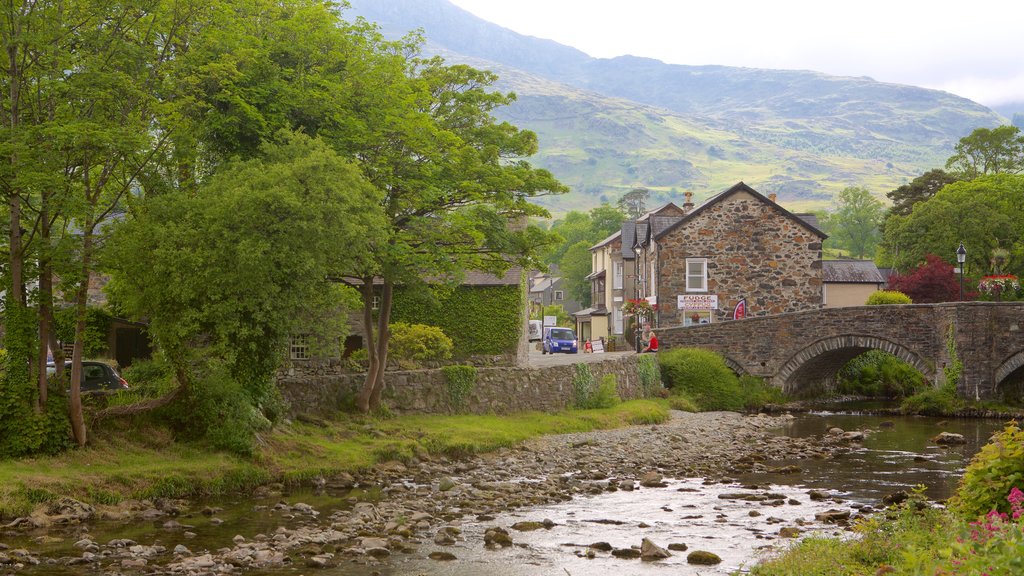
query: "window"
696, 275
375, 303
617, 321
617, 276
696, 317
299, 348
559, 295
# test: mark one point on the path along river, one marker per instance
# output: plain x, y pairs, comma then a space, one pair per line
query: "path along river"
719, 482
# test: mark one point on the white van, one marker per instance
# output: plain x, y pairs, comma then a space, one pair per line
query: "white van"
536, 331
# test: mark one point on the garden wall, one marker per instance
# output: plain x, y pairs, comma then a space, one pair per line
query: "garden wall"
498, 390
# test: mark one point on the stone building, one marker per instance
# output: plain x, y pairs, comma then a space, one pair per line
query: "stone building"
696, 264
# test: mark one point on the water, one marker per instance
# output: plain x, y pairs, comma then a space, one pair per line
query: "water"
897, 454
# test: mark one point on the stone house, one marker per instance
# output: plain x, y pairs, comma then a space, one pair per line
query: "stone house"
696, 264
546, 289
849, 282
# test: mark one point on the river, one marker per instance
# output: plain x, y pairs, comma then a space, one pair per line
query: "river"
736, 517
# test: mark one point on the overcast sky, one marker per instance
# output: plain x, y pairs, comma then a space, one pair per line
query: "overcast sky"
973, 49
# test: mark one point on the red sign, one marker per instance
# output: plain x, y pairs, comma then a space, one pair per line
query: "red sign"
740, 311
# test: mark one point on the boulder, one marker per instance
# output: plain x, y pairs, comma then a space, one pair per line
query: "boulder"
652, 480
703, 558
651, 551
947, 438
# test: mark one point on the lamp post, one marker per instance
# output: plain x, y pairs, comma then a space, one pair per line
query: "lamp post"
639, 287
961, 257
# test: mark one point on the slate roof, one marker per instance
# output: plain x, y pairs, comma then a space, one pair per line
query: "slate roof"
811, 219
604, 242
471, 278
851, 272
628, 239
742, 187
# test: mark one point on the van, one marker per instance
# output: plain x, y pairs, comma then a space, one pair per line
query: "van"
536, 331
557, 339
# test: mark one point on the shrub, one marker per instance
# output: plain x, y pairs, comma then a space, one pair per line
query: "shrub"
151, 378
883, 297
880, 374
413, 343
582, 385
459, 383
649, 373
932, 402
606, 395
992, 473
682, 402
703, 376
756, 394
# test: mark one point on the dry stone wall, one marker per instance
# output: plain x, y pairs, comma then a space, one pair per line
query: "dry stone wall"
498, 390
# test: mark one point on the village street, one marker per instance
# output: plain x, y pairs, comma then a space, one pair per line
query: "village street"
538, 359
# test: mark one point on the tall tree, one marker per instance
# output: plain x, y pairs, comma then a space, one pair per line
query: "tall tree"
856, 221
918, 190
634, 202
574, 267
988, 151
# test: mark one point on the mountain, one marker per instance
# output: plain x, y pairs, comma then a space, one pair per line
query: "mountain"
608, 125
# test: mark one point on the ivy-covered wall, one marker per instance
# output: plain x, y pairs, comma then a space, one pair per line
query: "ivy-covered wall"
480, 320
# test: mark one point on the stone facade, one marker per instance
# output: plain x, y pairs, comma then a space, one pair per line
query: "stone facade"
754, 250
498, 390
804, 350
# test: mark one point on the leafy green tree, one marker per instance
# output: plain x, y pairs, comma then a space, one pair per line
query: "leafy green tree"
605, 221
855, 222
634, 202
988, 151
983, 213
575, 267
918, 190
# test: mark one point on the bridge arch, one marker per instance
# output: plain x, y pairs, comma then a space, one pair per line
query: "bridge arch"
735, 366
1009, 376
817, 364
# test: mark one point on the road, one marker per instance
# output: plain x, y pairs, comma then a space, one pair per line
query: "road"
539, 360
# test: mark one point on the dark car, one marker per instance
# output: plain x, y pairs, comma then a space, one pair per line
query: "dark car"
97, 377
559, 340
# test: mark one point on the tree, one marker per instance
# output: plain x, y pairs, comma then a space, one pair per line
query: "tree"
988, 151
918, 190
605, 221
634, 202
931, 282
575, 267
856, 221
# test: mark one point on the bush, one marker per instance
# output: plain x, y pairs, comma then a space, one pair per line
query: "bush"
878, 373
756, 394
933, 402
152, 378
703, 376
649, 374
413, 343
991, 475
607, 393
582, 385
459, 384
682, 402
883, 297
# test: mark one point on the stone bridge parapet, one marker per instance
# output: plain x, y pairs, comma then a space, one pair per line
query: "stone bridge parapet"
803, 351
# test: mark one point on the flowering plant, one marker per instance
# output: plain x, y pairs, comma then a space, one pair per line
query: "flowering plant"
638, 306
998, 284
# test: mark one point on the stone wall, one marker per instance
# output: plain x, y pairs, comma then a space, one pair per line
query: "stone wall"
754, 250
498, 390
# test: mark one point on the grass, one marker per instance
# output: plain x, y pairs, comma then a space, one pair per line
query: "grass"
141, 460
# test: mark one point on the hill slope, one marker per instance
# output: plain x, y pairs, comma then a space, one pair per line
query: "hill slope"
608, 125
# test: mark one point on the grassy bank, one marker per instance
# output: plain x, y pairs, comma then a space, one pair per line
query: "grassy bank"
141, 460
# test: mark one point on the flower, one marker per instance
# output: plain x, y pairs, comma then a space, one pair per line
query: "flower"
638, 306
998, 284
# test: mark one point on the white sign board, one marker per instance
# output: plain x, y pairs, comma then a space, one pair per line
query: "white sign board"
597, 346
698, 301
550, 320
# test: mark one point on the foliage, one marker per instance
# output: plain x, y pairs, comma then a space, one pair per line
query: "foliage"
856, 221
638, 306
931, 402
583, 384
703, 376
952, 371
579, 231
459, 383
992, 474
606, 395
679, 401
1002, 284
649, 372
575, 265
634, 203
756, 394
152, 378
97, 326
988, 151
886, 297
929, 283
920, 189
479, 319
419, 343
562, 318
879, 374
983, 213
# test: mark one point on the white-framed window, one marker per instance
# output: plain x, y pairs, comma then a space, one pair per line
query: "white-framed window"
695, 317
298, 349
617, 275
375, 303
559, 295
617, 321
696, 274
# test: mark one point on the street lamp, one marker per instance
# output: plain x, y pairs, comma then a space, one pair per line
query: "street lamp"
639, 287
961, 257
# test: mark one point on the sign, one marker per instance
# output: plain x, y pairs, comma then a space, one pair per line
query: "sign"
740, 311
550, 320
698, 301
597, 345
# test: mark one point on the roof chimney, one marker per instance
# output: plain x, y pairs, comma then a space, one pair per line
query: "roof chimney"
689, 202
772, 196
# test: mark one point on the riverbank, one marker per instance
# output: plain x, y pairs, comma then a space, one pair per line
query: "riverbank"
395, 506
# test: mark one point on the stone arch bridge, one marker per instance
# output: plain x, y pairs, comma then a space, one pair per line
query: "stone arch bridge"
802, 351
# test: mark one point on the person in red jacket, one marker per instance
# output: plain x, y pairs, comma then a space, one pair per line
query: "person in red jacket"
652, 344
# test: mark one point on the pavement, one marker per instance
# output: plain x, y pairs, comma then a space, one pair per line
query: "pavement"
537, 359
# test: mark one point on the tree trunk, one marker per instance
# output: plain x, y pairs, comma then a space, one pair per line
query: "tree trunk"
383, 337
46, 328
363, 400
81, 297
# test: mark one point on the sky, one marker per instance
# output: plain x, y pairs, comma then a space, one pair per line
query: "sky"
972, 49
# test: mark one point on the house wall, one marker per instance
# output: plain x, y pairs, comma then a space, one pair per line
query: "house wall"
841, 295
753, 252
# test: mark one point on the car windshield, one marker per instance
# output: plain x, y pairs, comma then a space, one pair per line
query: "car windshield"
562, 334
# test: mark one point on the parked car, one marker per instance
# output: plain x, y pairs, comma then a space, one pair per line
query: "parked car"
559, 340
97, 377
536, 327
